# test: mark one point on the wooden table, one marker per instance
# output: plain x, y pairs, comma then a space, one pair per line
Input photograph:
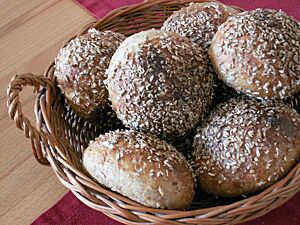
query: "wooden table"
31, 33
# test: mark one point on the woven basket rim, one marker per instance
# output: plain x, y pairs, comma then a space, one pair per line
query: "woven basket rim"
122, 207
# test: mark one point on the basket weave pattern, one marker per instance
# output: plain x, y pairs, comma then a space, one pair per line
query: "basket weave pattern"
60, 136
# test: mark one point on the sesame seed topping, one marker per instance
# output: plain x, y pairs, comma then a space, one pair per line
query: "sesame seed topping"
257, 52
198, 21
80, 70
148, 154
158, 83
160, 191
227, 144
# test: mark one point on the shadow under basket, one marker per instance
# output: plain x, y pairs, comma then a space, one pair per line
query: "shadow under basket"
59, 137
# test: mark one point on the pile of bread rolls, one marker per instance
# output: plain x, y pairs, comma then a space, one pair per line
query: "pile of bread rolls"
231, 77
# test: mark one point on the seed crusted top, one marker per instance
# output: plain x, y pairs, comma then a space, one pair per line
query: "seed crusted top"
148, 153
80, 70
158, 82
141, 167
258, 53
247, 143
199, 21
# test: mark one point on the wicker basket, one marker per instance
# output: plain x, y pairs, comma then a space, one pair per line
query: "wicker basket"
60, 136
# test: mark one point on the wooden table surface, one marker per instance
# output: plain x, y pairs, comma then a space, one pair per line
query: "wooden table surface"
31, 33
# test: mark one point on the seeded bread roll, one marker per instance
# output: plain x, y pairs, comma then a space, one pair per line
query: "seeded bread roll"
141, 167
246, 146
199, 21
258, 53
80, 70
158, 83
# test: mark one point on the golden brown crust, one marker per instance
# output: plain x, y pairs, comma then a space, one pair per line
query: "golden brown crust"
80, 70
158, 83
199, 21
246, 146
258, 53
141, 167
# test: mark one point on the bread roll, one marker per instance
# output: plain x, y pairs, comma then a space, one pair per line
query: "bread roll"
80, 70
245, 146
258, 53
141, 167
199, 21
158, 83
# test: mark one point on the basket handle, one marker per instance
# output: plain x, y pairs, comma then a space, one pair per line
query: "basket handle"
15, 110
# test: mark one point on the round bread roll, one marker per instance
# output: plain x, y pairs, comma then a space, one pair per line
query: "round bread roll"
141, 167
199, 21
258, 53
158, 83
80, 70
245, 146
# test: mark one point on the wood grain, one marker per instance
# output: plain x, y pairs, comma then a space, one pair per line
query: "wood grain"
31, 32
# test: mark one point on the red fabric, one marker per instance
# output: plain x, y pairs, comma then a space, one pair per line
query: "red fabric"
100, 7
290, 7
69, 210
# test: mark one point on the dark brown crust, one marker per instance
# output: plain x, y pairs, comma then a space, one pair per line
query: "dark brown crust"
246, 146
294, 102
158, 83
199, 21
222, 91
258, 53
80, 70
141, 167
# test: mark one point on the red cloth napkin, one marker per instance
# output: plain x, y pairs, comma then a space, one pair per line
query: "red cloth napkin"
100, 7
70, 211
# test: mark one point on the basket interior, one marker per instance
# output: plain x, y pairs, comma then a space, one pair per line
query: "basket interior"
72, 132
